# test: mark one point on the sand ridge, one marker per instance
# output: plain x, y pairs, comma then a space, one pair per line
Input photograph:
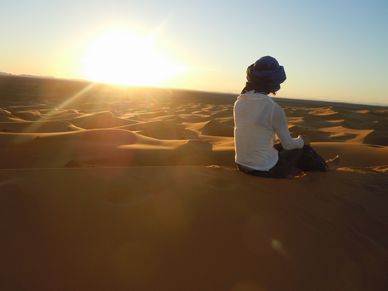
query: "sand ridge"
165, 124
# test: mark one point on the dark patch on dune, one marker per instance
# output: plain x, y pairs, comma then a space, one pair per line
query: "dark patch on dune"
218, 128
225, 112
319, 121
164, 129
380, 112
314, 134
5, 115
194, 117
37, 126
377, 138
30, 115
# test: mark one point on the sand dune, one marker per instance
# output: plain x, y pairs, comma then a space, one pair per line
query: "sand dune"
215, 127
166, 129
103, 119
6, 115
142, 194
29, 115
192, 228
38, 126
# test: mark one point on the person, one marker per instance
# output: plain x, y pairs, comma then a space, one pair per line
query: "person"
259, 119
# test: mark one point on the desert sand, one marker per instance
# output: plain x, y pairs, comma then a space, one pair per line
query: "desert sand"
136, 189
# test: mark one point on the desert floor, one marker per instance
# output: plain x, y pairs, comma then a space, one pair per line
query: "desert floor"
141, 193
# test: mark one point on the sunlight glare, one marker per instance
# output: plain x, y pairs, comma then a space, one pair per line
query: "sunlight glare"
124, 58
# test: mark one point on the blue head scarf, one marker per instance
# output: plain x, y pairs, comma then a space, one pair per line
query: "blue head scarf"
265, 75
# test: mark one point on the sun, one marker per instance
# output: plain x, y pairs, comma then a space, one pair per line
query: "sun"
125, 58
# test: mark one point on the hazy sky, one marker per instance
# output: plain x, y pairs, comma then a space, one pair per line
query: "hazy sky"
336, 50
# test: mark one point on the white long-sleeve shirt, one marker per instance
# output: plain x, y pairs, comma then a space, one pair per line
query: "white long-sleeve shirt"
257, 119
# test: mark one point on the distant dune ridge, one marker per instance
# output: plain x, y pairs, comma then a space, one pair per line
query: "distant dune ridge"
136, 189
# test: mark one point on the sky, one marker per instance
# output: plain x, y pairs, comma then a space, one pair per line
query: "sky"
331, 50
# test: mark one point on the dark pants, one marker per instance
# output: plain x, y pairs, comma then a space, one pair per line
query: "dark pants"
288, 161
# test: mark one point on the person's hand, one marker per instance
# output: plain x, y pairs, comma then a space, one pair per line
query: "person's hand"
306, 139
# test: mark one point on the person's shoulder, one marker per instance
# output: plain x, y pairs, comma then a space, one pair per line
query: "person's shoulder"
277, 110
275, 104
243, 97
245, 94
251, 95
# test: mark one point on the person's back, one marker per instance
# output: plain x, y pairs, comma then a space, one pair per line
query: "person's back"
253, 132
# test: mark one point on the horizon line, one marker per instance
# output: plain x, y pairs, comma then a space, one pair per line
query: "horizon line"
314, 99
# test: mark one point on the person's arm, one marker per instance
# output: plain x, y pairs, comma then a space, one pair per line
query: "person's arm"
279, 124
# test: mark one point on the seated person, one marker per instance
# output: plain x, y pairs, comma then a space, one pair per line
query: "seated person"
258, 119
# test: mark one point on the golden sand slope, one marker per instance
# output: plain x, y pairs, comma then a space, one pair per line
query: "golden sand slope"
192, 228
105, 196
